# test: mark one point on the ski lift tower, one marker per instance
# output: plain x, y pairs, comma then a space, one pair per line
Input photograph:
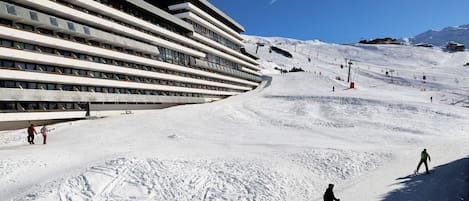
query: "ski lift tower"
349, 67
259, 44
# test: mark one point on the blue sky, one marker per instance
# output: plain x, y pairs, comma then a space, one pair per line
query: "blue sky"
344, 21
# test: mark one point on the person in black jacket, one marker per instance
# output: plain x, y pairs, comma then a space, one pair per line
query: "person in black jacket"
329, 194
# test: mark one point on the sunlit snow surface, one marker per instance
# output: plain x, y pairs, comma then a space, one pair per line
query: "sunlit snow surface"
286, 140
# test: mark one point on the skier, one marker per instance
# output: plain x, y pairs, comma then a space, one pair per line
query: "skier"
329, 194
31, 132
333, 88
423, 159
431, 99
44, 131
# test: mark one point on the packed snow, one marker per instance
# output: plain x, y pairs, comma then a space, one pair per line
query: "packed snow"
286, 140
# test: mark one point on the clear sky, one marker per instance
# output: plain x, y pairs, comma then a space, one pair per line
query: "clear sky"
344, 21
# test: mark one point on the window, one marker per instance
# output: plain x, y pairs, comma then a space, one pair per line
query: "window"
45, 31
11, 9
6, 43
6, 22
63, 36
41, 86
50, 69
33, 16
25, 27
67, 71
9, 84
32, 85
53, 21
7, 63
71, 26
27, 46
30, 67
86, 30
51, 87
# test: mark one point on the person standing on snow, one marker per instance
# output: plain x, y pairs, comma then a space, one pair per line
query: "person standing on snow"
31, 132
423, 159
329, 194
44, 131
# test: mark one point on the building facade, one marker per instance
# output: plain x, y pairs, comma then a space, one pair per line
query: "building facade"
62, 58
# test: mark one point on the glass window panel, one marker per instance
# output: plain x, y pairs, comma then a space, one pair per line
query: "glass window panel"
71, 26
11, 9
33, 16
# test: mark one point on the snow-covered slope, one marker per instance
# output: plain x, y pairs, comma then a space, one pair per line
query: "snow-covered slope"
459, 34
285, 140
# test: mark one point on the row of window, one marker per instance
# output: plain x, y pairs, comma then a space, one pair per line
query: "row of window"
45, 106
214, 36
30, 47
175, 57
102, 75
95, 89
11, 9
167, 55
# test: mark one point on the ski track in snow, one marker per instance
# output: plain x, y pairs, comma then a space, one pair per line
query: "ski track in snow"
237, 179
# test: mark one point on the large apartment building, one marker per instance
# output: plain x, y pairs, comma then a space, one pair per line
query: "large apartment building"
66, 58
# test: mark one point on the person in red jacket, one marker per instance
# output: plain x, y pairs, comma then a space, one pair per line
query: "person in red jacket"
31, 133
44, 131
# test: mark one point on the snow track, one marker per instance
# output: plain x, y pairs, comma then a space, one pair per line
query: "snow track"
236, 179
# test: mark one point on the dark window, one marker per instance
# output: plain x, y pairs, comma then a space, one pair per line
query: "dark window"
7, 63
51, 87
26, 27
30, 67
67, 71
7, 106
33, 16
86, 30
46, 68
6, 22
63, 36
9, 84
32, 85
27, 46
20, 65
22, 85
11, 9
41, 86
68, 106
45, 31
53, 21
71, 26
6, 43
53, 106
67, 87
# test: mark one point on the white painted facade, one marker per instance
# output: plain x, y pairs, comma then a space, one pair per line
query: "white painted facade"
58, 55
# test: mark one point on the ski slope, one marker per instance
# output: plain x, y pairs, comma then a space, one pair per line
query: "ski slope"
286, 140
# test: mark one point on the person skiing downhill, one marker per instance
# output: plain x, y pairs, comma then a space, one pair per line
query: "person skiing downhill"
44, 131
329, 194
423, 159
31, 132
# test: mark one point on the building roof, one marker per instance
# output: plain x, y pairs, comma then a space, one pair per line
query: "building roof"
163, 14
227, 18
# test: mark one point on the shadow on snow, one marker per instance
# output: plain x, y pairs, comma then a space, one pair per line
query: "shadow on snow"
448, 182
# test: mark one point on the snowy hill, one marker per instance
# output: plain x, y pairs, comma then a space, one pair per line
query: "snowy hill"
286, 140
459, 34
